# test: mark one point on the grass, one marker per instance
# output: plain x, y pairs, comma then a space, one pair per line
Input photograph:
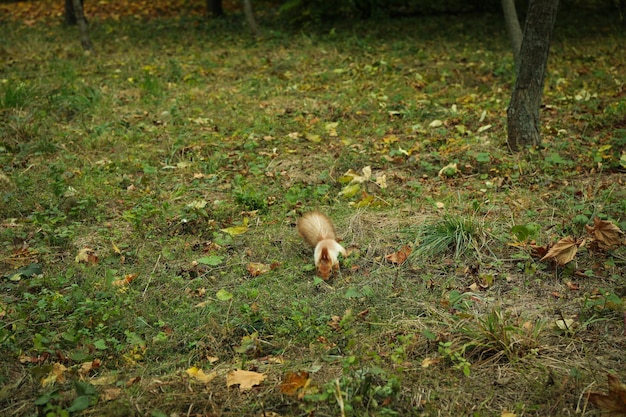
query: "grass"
181, 154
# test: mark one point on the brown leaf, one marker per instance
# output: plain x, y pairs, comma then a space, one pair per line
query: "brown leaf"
335, 323
606, 233
109, 394
400, 256
615, 401
255, 269
294, 382
563, 251
245, 379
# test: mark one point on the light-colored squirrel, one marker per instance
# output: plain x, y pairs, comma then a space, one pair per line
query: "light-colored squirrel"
319, 232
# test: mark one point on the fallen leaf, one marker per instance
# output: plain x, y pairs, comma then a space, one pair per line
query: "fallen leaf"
237, 230
565, 324
255, 269
449, 170
128, 278
563, 251
335, 323
87, 367
435, 123
430, 361
400, 256
615, 401
507, 414
294, 382
109, 394
245, 379
57, 374
87, 255
572, 286
606, 233
200, 376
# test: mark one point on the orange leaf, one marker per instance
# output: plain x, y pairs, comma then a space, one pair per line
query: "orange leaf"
245, 379
294, 382
563, 251
128, 278
400, 256
615, 401
606, 233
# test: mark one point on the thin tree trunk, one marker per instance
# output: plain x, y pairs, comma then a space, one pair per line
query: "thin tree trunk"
523, 112
70, 15
513, 27
215, 7
85, 40
247, 8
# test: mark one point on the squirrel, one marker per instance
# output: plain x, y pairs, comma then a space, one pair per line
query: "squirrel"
319, 232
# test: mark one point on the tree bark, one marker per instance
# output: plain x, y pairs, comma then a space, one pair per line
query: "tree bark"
523, 112
70, 16
512, 27
215, 7
247, 8
85, 40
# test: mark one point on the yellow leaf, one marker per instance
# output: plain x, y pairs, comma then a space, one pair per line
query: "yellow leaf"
430, 361
350, 191
313, 137
200, 376
87, 255
245, 379
237, 230
295, 382
563, 251
57, 374
507, 414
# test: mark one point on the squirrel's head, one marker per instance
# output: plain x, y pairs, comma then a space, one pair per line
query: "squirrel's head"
325, 268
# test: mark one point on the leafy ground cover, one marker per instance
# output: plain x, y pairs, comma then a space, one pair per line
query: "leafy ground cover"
149, 195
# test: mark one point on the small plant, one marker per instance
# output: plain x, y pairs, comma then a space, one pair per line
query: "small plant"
500, 334
455, 356
450, 234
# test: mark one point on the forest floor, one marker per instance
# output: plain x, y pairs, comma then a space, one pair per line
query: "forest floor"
149, 263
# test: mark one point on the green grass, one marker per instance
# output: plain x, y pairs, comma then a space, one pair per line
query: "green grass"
177, 132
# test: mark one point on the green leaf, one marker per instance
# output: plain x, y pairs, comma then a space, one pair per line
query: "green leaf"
223, 295
84, 388
525, 231
25, 272
353, 293
80, 403
100, 344
212, 260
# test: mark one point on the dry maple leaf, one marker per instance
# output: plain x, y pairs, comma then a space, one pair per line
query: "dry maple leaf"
295, 382
606, 233
614, 403
400, 256
563, 251
87, 255
245, 379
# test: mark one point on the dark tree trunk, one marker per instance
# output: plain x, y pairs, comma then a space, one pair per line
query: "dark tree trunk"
523, 111
85, 40
215, 7
512, 27
247, 8
70, 16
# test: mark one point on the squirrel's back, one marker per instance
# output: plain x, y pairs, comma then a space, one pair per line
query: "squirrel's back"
315, 227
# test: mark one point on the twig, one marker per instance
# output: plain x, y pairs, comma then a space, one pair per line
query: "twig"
339, 398
150, 277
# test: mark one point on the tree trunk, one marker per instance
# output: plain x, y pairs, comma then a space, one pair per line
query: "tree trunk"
523, 111
85, 40
215, 7
512, 27
247, 8
70, 16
